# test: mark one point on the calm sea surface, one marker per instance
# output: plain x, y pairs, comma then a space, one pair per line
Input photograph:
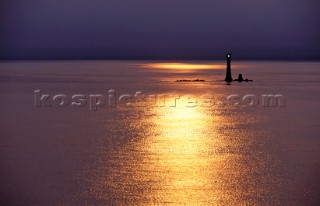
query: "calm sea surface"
182, 143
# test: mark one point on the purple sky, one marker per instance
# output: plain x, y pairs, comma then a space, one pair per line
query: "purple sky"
159, 29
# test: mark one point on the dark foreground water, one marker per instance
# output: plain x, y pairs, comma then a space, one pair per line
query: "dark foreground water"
183, 144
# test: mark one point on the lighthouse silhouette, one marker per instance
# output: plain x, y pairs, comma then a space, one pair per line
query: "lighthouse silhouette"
228, 74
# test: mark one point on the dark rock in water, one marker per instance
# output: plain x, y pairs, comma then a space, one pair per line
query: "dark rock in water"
188, 80
240, 79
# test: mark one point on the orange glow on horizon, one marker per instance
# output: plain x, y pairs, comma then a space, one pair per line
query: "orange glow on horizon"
184, 66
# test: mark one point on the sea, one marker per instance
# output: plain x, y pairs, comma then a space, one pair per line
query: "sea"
159, 133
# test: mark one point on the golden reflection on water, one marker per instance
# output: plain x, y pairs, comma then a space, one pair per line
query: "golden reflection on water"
181, 150
181, 157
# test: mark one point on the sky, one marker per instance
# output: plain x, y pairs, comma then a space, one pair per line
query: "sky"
159, 29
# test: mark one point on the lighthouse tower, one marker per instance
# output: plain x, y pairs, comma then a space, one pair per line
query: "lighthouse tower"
228, 74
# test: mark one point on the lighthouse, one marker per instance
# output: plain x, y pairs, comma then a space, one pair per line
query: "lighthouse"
228, 74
